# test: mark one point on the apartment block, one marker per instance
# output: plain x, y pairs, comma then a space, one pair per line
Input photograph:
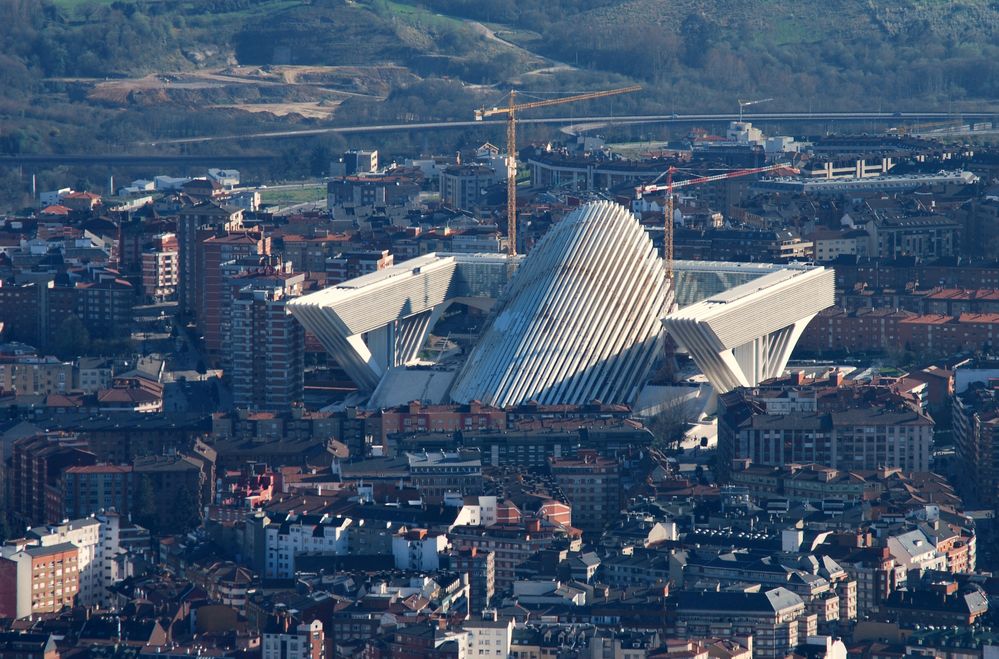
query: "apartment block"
161, 268
96, 540
592, 484
212, 289
306, 641
89, 489
775, 618
480, 567
267, 353
863, 434
38, 579
30, 375
976, 433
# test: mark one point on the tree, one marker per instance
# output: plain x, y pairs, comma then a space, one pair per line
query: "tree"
183, 514
144, 507
669, 425
72, 338
112, 347
698, 34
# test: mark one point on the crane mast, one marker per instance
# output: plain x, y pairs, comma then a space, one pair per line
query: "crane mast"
511, 176
511, 110
670, 185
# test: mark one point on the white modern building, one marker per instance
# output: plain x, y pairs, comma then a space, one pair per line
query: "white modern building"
302, 534
746, 334
303, 642
97, 542
886, 183
488, 636
579, 319
227, 178
418, 550
380, 320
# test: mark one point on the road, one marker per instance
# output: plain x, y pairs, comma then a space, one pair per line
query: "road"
547, 65
215, 160
623, 119
578, 122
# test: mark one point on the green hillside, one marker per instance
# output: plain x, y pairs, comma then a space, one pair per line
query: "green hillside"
835, 54
104, 75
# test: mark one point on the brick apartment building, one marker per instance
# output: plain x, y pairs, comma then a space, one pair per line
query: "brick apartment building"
215, 251
37, 579
34, 475
874, 330
196, 224
416, 417
976, 433
480, 566
35, 312
592, 484
267, 349
512, 543
865, 428
89, 489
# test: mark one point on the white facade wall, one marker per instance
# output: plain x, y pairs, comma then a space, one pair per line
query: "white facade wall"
746, 334
580, 320
488, 639
281, 548
421, 555
52, 197
96, 538
292, 645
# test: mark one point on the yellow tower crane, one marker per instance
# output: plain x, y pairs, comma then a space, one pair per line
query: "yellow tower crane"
671, 185
511, 112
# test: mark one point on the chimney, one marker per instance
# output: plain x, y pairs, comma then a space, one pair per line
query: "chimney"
836, 378
798, 378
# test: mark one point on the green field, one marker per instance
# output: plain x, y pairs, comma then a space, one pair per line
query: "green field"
287, 196
416, 16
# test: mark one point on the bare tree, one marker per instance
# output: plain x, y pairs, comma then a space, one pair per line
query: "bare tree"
669, 425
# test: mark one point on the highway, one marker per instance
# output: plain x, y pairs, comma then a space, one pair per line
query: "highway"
762, 117
222, 160
216, 160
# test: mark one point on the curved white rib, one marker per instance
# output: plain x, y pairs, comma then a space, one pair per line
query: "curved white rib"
581, 319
